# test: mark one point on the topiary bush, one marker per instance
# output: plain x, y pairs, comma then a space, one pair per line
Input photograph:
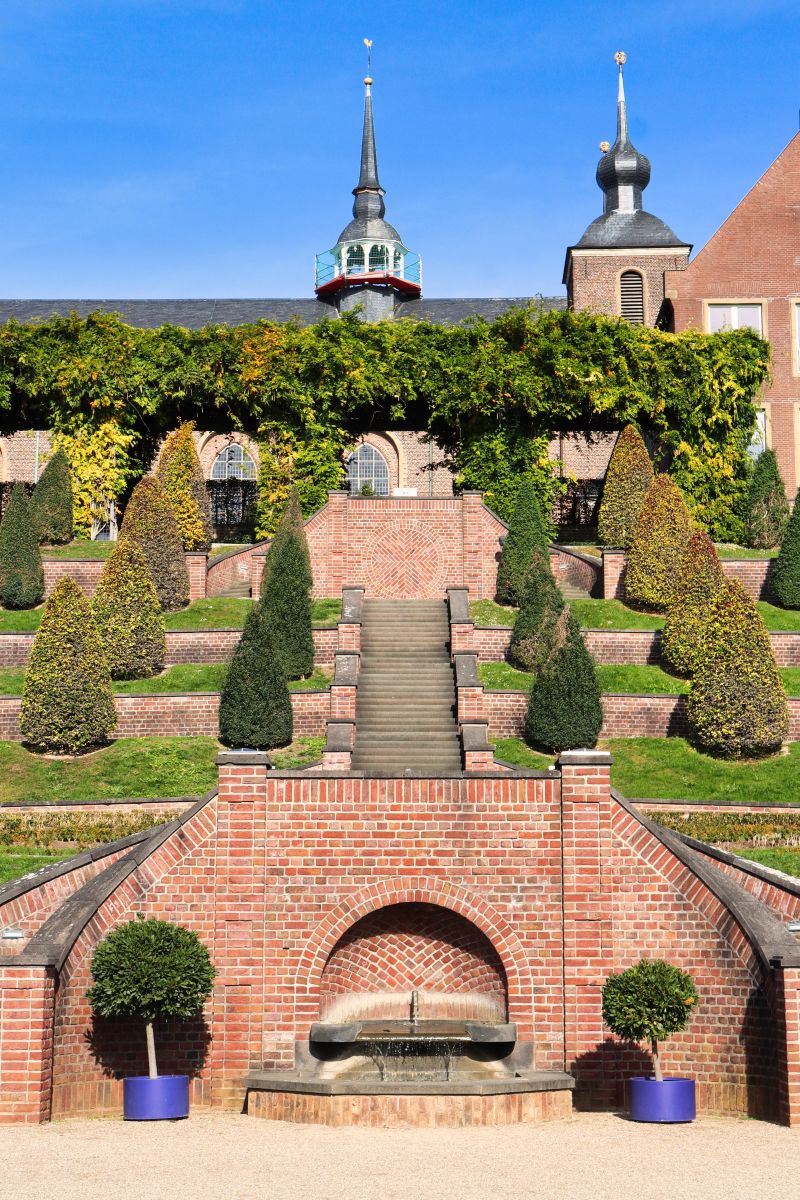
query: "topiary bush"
737, 705
662, 531
67, 702
629, 475
649, 1002
51, 502
150, 970
255, 708
564, 709
286, 593
697, 582
540, 606
128, 615
180, 474
526, 530
786, 572
766, 506
21, 571
150, 523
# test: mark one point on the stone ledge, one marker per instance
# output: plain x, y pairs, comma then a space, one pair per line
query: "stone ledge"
529, 1081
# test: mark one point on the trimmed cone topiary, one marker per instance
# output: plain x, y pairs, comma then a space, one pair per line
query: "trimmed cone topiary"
150, 522
540, 606
698, 580
67, 702
564, 709
21, 571
286, 593
662, 531
629, 475
51, 502
150, 970
786, 572
255, 708
737, 706
767, 509
526, 530
647, 1003
180, 474
128, 615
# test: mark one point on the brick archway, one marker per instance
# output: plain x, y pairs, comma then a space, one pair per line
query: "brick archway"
311, 965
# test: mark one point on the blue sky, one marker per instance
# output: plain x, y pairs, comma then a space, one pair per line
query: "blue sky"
209, 147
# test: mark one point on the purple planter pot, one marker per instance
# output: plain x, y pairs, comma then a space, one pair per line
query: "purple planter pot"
666, 1101
165, 1098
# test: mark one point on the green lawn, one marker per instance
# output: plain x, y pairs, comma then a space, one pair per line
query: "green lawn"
643, 680
130, 767
217, 612
220, 549
80, 548
728, 550
515, 751
301, 752
786, 859
16, 860
778, 619
204, 677
613, 614
20, 620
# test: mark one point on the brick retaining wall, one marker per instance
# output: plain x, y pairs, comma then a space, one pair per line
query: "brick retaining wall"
754, 574
85, 571
191, 714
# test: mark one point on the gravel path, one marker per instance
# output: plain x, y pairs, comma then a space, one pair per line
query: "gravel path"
588, 1157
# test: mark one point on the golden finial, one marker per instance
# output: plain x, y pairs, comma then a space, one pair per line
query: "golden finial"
620, 58
605, 147
368, 44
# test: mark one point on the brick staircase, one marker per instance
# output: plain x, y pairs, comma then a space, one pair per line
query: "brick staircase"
406, 691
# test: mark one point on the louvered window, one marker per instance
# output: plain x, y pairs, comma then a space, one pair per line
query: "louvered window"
631, 287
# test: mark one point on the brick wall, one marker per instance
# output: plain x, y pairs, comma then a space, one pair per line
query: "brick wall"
575, 569
753, 573
593, 280
86, 572
168, 714
229, 570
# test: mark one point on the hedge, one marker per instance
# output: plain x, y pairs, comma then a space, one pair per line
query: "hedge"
255, 708
150, 522
128, 615
766, 508
67, 702
755, 829
286, 594
659, 540
786, 572
21, 570
180, 474
629, 475
540, 606
51, 502
737, 705
697, 582
526, 530
564, 710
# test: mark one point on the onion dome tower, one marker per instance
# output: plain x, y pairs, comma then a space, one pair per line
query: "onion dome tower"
618, 265
369, 265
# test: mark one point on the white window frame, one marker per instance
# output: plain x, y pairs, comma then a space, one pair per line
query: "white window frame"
739, 302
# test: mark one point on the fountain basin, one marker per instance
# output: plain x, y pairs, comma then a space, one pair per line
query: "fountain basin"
482, 1032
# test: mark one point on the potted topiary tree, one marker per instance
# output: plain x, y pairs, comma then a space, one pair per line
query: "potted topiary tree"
152, 970
648, 1002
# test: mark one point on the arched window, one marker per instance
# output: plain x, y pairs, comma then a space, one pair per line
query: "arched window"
368, 472
355, 260
398, 262
378, 258
233, 463
631, 292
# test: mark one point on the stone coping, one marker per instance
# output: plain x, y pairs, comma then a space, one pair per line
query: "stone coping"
522, 1081
57, 805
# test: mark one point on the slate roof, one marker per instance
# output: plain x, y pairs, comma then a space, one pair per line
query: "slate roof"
628, 231
194, 314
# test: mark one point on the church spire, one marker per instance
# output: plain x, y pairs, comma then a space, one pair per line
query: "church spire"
622, 173
368, 192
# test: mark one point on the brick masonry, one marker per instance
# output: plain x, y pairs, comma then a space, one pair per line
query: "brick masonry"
525, 891
87, 571
753, 573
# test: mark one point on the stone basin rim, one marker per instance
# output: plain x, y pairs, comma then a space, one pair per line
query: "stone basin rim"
411, 1031
523, 1081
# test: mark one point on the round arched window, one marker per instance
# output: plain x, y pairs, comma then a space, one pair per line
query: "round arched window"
233, 463
368, 472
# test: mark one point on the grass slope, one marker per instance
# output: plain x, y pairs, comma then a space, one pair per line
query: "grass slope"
217, 612
639, 680
613, 614
182, 678
786, 859
16, 861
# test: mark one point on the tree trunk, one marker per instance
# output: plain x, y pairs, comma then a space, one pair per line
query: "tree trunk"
151, 1051
656, 1061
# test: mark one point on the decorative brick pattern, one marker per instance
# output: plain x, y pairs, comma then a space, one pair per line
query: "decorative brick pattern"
398, 1112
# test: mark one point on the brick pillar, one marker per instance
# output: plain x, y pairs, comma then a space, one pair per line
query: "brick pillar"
344, 686
197, 566
462, 629
469, 689
787, 1040
256, 573
613, 574
27, 997
240, 949
586, 808
337, 533
349, 628
474, 572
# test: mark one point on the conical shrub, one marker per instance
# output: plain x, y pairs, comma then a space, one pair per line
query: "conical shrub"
180, 474
737, 706
540, 606
21, 571
697, 582
786, 572
662, 531
67, 702
128, 615
767, 509
629, 475
564, 709
150, 522
51, 502
255, 708
286, 594
526, 530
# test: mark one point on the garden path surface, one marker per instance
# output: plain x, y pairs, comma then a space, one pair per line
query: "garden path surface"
587, 1157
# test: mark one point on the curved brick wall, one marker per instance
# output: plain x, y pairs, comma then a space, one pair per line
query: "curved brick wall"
405, 946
